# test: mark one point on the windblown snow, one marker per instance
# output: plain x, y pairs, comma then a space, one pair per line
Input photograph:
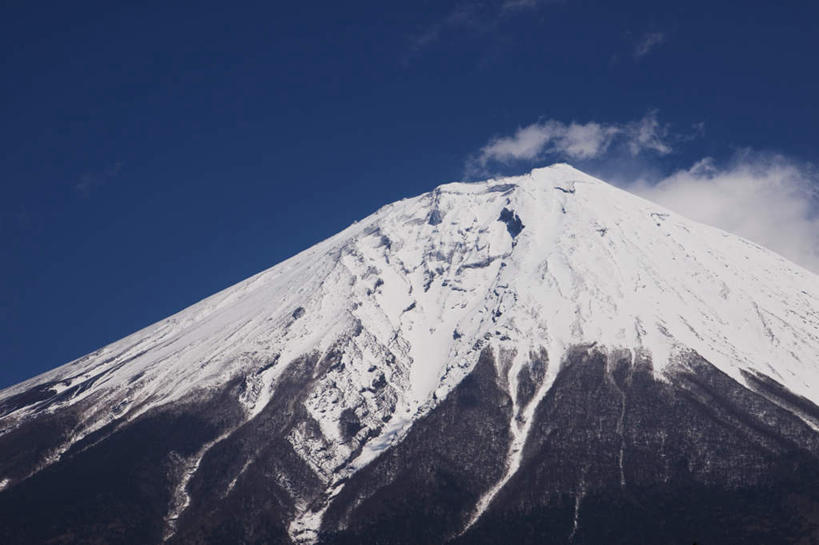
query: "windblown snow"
411, 295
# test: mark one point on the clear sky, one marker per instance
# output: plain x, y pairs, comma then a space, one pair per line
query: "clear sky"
157, 152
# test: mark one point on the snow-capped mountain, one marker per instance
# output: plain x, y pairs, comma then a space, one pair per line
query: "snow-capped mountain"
535, 359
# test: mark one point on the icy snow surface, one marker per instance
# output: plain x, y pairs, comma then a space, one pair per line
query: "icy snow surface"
411, 294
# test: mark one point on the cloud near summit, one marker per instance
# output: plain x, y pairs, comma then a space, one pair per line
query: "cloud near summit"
572, 140
766, 198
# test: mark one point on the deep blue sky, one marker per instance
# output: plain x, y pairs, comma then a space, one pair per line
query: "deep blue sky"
156, 153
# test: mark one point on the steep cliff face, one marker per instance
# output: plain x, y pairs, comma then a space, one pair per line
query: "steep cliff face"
529, 359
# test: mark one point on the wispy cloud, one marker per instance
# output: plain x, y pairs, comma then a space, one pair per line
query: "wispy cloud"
93, 179
465, 15
766, 198
648, 134
574, 141
475, 16
647, 43
511, 5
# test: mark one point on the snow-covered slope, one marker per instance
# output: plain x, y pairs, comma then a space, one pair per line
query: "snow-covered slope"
410, 295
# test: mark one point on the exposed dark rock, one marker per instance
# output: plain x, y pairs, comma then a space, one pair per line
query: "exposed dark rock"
379, 382
476, 264
632, 459
531, 375
349, 424
29, 397
25, 448
117, 491
265, 471
501, 188
780, 395
513, 223
423, 490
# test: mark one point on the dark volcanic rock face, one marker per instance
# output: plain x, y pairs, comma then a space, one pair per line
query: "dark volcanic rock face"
117, 490
247, 485
614, 455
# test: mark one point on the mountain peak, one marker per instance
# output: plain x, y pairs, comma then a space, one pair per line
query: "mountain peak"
392, 314
554, 174
554, 255
557, 171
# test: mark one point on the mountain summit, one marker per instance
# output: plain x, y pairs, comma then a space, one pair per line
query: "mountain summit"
535, 359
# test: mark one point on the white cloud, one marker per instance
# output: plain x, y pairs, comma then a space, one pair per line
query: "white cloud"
585, 141
649, 42
578, 141
648, 134
574, 141
765, 198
